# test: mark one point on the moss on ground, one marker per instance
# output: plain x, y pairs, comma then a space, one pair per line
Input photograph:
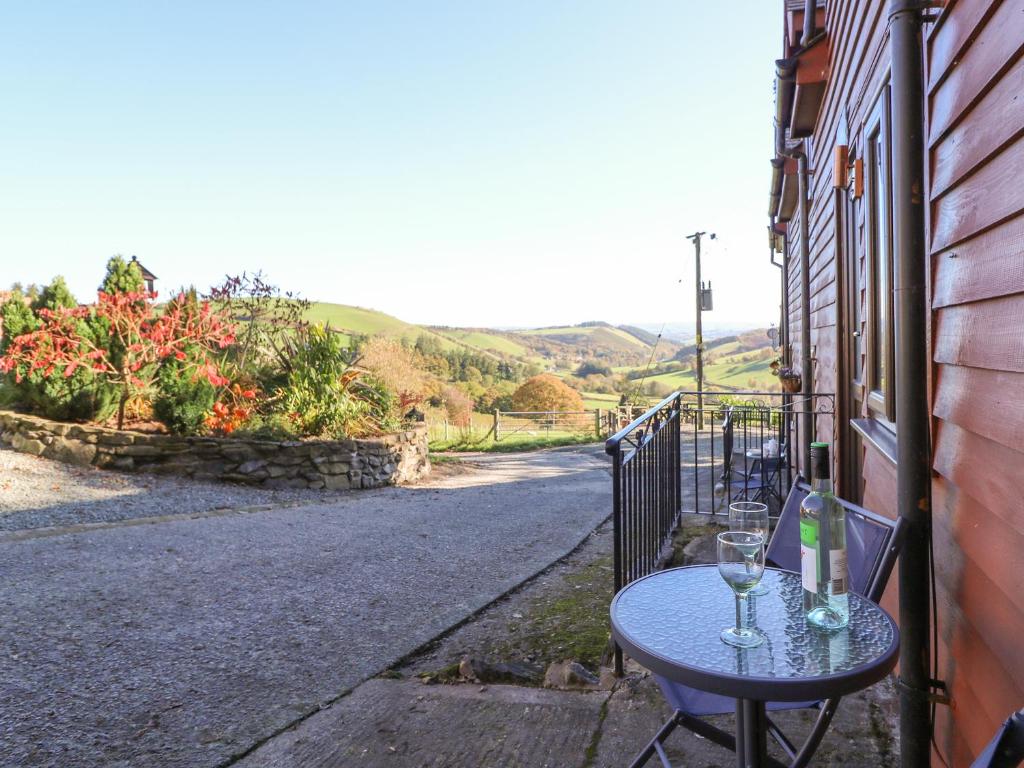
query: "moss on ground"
570, 622
685, 534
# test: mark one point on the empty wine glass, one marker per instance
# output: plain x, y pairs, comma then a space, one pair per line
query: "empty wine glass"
750, 516
741, 564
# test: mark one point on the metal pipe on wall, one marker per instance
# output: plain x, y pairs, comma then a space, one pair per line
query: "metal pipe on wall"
913, 451
810, 10
806, 371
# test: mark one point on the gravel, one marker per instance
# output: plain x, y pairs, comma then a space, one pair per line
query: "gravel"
40, 493
189, 641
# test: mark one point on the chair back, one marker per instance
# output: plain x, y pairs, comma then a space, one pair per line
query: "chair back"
1006, 750
728, 434
872, 543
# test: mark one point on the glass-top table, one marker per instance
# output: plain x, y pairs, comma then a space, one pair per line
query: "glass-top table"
670, 623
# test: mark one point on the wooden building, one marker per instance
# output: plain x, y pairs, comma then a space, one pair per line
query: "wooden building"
835, 106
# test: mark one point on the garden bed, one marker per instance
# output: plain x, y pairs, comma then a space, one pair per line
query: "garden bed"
390, 459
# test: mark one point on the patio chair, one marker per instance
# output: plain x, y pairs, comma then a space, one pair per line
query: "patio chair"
1006, 750
756, 482
873, 543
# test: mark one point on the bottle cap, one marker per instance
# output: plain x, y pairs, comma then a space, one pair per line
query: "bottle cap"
820, 465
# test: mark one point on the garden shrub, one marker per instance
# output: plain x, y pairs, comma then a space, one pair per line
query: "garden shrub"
182, 401
323, 396
80, 396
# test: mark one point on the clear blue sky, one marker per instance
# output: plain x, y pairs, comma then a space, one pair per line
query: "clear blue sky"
461, 163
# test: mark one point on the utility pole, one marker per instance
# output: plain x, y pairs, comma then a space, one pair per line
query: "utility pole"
695, 239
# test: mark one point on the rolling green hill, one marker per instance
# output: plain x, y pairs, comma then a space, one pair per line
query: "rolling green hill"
737, 362
370, 322
484, 339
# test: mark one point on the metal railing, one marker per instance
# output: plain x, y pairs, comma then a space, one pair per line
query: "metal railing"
748, 446
646, 492
664, 464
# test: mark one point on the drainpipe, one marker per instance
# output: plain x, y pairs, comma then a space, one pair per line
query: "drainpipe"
810, 11
913, 449
784, 273
806, 372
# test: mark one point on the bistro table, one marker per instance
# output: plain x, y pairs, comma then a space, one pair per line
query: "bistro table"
670, 623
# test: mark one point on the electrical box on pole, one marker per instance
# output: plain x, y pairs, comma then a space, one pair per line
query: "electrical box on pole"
706, 304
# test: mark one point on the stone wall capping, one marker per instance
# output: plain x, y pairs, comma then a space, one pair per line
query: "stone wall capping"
331, 464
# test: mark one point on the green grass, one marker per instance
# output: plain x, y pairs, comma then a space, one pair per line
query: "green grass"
510, 444
370, 322
490, 342
598, 335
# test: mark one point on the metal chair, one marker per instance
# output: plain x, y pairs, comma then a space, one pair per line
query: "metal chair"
1006, 750
756, 483
873, 543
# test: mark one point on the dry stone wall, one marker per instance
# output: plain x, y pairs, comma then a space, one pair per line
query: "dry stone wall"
337, 464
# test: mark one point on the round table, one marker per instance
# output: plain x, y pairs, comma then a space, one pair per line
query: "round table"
670, 623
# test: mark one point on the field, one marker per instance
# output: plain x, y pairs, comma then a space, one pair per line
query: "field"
485, 340
596, 335
370, 322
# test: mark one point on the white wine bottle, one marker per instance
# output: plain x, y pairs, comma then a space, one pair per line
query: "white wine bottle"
823, 548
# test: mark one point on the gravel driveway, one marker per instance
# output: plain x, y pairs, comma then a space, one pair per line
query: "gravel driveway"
189, 640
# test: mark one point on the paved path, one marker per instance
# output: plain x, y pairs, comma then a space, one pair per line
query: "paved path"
188, 641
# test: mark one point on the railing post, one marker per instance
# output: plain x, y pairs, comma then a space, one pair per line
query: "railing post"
497, 425
617, 536
677, 457
597, 423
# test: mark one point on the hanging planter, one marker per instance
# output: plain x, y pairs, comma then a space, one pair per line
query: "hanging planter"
789, 378
791, 384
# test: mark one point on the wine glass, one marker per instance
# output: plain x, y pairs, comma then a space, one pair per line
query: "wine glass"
741, 563
750, 516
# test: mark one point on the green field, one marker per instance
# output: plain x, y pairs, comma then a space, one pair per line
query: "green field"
370, 322
490, 342
726, 372
606, 336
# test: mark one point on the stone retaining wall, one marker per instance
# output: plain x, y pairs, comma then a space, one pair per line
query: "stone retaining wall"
337, 464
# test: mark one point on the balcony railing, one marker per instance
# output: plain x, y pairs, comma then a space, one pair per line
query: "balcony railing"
695, 453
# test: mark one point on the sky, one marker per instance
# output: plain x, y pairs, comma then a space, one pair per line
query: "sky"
452, 163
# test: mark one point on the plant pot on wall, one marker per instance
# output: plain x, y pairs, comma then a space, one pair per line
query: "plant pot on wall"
791, 384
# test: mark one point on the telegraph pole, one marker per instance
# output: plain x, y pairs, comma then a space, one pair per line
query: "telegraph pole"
695, 239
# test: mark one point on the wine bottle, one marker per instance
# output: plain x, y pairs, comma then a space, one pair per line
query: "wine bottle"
823, 548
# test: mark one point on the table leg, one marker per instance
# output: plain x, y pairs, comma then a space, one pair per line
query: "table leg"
751, 734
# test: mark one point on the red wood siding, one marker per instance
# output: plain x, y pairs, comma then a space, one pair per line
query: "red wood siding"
975, 65
975, 163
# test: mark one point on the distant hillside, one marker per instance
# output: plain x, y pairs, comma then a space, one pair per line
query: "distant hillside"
370, 322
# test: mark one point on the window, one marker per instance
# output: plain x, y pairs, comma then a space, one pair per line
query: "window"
878, 224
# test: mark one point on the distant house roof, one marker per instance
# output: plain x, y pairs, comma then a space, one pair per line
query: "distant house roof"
146, 274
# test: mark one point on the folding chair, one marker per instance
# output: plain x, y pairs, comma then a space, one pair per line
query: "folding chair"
1006, 750
756, 483
873, 543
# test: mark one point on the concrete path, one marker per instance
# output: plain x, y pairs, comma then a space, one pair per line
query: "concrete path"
191, 640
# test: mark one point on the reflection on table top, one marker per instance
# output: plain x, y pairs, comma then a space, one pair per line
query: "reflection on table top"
676, 616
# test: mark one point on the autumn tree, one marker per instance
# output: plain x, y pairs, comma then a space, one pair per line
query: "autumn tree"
64, 342
546, 393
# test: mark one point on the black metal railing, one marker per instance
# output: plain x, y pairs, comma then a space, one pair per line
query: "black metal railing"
665, 463
646, 491
747, 449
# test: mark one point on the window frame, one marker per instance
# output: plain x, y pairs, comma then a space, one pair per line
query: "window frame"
877, 138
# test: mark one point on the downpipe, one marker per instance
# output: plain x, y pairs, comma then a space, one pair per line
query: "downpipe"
912, 418
806, 423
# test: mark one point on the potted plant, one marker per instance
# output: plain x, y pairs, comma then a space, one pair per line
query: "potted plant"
789, 377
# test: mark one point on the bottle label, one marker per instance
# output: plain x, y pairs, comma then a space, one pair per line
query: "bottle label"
837, 569
809, 568
809, 555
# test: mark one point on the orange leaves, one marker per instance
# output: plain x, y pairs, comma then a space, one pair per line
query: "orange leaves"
226, 417
122, 338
